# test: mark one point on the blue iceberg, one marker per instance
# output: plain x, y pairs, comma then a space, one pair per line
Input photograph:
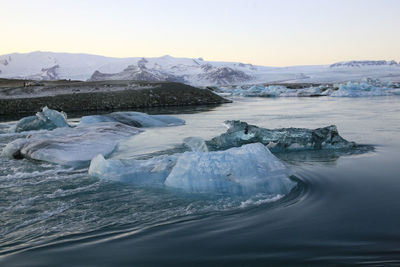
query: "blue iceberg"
140, 172
47, 119
243, 170
276, 91
365, 88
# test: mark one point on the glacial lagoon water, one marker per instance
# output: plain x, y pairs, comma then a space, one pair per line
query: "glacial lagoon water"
345, 208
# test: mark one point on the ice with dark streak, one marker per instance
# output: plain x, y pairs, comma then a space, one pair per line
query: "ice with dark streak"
70, 146
279, 140
47, 119
76, 146
136, 119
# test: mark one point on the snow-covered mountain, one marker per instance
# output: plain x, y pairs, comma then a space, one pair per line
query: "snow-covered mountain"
195, 71
36, 65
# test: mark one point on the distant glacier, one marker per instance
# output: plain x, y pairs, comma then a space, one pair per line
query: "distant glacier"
194, 71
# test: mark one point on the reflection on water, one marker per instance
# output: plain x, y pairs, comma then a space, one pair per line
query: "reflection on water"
326, 157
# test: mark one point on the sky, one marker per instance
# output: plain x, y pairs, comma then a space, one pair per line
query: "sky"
262, 32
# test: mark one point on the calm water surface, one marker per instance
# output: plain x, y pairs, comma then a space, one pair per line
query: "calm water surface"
345, 209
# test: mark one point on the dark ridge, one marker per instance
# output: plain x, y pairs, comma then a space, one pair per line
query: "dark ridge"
77, 96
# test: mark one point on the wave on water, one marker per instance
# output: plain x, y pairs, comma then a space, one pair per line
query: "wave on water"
45, 203
67, 215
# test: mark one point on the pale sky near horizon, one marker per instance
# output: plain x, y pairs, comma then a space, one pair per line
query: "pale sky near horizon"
269, 32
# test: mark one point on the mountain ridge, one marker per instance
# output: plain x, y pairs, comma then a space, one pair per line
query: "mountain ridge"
194, 71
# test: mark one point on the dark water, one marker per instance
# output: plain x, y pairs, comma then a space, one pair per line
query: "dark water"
344, 211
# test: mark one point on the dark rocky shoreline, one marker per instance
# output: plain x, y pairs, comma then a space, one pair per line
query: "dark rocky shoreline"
75, 96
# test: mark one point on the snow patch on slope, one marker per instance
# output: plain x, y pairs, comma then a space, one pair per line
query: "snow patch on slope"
194, 71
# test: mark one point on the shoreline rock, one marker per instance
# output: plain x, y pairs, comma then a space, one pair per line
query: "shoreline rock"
71, 96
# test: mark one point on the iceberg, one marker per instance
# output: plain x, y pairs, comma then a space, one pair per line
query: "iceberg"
151, 171
136, 119
279, 140
47, 119
70, 146
196, 144
276, 91
13, 149
243, 170
367, 87
76, 146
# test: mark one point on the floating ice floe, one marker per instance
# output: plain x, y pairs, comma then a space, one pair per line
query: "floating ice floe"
47, 119
278, 140
76, 146
151, 171
243, 170
70, 146
366, 87
276, 91
236, 162
136, 119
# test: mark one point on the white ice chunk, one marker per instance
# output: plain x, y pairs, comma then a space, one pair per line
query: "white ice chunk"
140, 172
12, 150
242, 170
196, 144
